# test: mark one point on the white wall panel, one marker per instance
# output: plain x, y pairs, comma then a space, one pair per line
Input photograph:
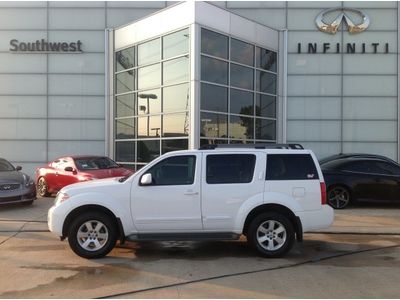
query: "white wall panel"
23, 150
373, 4
370, 85
307, 85
314, 64
30, 168
70, 18
369, 64
23, 18
369, 37
302, 19
313, 131
76, 84
22, 129
364, 131
305, 37
76, 63
370, 108
61, 148
26, 36
23, 4
76, 3
20, 63
314, 4
23, 106
23, 84
274, 18
76, 107
137, 4
314, 108
386, 149
255, 4
122, 16
91, 40
322, 149
76, 129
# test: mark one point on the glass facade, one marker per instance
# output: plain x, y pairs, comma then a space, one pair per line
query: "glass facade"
238, 91
152, 94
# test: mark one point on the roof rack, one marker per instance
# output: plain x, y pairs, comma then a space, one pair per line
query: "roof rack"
255, 146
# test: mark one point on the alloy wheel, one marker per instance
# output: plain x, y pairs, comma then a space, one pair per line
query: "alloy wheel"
271, 235
92, 235
338, 197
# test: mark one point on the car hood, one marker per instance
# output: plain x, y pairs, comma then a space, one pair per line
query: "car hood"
91, 185
12, 177
107, 173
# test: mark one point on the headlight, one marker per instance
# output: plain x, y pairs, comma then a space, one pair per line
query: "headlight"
60, 198
28, 181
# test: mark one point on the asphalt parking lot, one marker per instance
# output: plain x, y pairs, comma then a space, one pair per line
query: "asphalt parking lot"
358, 257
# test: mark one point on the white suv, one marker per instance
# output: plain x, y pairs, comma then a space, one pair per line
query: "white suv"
269, 195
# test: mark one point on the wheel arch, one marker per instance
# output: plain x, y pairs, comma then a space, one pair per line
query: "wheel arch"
273, 207
92, 207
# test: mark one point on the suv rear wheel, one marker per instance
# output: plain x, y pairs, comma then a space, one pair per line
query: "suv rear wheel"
271, 234
92, 235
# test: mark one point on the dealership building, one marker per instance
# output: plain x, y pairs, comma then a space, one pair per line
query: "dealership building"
133, 80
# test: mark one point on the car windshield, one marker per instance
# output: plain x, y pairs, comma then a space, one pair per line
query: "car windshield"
95, 163
5, 166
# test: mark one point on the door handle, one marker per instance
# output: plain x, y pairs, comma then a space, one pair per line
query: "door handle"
191, 193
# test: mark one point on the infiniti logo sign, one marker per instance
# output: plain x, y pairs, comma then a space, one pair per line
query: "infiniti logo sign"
333, 26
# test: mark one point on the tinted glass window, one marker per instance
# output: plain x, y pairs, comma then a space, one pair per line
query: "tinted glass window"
242, 102
148, 150
230, 168
125, 105
125, 151
373, 167
290, 167
214, 98
125, 128
149, 52
214, 125
265, 129
178, 170
176, 70
174, 145
125, 59
214, 44
387, 168
176, 98
242, 77
176, 125
265, 106
149, 126
149, 102
242, 52
125, 82
176, 43
266, 59
241, 127
214, 70
266, 82
149, 76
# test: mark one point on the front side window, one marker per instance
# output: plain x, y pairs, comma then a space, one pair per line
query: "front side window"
290, 167
178, 170
230, 168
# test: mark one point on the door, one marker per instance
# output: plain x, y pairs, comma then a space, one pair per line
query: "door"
228, 180
66, 177
172, 202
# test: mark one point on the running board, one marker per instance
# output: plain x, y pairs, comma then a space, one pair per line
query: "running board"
183, 236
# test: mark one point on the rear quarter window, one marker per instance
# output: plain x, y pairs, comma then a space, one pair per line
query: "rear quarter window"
291, 167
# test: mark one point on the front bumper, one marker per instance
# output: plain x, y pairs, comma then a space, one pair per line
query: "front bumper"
55, 220
25, 194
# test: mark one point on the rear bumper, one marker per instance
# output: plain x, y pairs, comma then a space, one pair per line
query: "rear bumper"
316, 219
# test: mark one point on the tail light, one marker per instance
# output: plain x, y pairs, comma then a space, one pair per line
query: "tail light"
323, 193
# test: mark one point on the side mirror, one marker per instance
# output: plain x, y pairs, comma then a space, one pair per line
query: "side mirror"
18, 168
69, 169
146, 179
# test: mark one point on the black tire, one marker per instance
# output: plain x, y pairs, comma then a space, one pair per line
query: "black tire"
339, 197
42, 188
286, 237
94, 218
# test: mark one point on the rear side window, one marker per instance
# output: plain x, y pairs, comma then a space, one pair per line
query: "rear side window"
230, 168
290, 167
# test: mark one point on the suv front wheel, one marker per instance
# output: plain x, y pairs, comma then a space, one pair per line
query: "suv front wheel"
92, 235
271, 234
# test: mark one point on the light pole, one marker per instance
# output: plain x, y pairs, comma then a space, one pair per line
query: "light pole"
148, 97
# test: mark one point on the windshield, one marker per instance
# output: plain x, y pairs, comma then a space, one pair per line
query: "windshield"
5, 166
95, 163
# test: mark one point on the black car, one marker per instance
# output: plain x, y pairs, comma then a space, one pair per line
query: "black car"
15, 186
361, 177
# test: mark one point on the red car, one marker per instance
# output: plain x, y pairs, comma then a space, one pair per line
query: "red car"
72, 169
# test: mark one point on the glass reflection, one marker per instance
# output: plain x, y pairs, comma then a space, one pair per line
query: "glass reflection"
241, 102
214, 70
149, 52
149, 102
266, 82
125, 105
125, 129
176, 43
214, 44
125, 82
265, 129
266, 59
214, 98
265, 106
176, 98
125, 151
242, 77
212, 142
125, 59
242, 52
149, 76
241, 127
176, 70
149, 126
148, 150
214, 125
176, 125
174, 145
